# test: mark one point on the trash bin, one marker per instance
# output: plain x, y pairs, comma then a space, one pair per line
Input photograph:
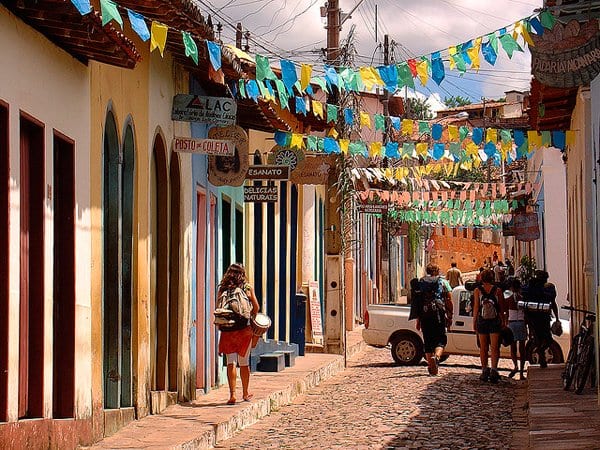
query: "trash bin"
298, 335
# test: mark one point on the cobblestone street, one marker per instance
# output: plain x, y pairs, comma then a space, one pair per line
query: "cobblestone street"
375, 404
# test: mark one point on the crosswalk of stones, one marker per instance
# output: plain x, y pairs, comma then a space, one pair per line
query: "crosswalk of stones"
374, 404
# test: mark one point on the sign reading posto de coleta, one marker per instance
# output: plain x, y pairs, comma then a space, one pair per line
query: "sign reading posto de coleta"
207, 146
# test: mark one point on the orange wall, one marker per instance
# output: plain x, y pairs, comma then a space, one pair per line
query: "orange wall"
468, 253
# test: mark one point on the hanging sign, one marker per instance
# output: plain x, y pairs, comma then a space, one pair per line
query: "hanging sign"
194, 108
526, 227
316, 324
229, 170
260, 194
267, 172
371, 208
207, 146
313, 170
567, 56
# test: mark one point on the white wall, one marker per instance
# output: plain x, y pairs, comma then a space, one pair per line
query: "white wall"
45, 82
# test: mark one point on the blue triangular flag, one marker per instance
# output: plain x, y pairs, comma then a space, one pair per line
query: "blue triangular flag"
300, 105
331, 76
288, 73
477, 136
349, 116
214, 54
437, 68
83, 6
436, 131
395, 122
558, 139
391, 150
389, 75
252, 90
519, 137
537, 25
489, 53
489, 149
138, 24
281, 138
438, 150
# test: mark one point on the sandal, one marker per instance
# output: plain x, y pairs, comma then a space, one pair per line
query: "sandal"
231, 401
248, 397
512, 373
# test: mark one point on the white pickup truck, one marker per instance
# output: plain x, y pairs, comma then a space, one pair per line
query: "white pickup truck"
388, 324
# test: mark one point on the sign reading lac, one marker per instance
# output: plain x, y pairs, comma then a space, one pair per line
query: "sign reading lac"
194, 108
208, 146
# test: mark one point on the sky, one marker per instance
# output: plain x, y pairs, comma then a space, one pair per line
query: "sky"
294, 29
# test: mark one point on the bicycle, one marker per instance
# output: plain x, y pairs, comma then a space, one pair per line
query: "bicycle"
581, 360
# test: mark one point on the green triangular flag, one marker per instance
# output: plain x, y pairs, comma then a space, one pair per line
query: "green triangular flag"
546, 139
461, 65
110, 12
509, 44
191, 49
332, 113
505, 136
320, 81
463, 132
454, 149
424, 127
242, 88
282, 93
263, 69
547, 19
493, 40
311, 143
379, 122
405, 77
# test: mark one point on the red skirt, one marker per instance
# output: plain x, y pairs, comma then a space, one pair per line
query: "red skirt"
235, 341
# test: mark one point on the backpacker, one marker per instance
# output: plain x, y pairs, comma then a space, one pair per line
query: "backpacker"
432, 304
233, 310
488, 304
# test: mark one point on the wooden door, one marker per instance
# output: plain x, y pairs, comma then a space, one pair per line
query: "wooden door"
4, 245
201, 322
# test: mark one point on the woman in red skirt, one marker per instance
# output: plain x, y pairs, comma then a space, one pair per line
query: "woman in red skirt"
236, 345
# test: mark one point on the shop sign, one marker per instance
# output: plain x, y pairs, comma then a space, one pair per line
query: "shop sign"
207, 146
268, 172
195, 108
371, 208
568, 55
260, 194
527, 227
229, 170
316, 324
508, 228
313, 170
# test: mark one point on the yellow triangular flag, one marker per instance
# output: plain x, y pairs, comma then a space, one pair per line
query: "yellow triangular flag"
333, 133
344, 144
365, 119
407, 126
477, 162
367, 77
491, 135
570, 138
456, 167
472, 149
422, 148
452, 133
506, 149
376, 76
473, 53
535, 140
452, 52
158, 37
520, 29
423, 71
375, 149
317, 108
297, 140
305, 73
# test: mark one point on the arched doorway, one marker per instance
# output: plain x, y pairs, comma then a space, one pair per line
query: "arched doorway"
159, 311
118, 175
174, 272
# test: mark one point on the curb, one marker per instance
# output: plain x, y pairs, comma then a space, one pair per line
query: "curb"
274, 401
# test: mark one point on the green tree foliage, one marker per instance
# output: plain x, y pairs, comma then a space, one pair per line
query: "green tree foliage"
455, 101
417, 109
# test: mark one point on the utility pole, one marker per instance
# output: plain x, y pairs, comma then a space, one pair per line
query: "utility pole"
238, 36
333, 31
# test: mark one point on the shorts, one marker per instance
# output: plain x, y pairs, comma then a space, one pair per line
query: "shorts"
242, 361
490, 326
434, 335
518, 329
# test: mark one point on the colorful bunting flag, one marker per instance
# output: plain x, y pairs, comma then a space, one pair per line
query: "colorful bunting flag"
214, 54
158, 37
110, 12
138, 24
191, 50
83, 6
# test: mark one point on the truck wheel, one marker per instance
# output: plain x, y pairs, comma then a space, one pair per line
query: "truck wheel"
407, 350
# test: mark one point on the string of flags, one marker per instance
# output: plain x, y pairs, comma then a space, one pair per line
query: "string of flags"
393, 77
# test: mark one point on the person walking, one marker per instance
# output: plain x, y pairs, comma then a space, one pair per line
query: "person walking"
236, 344
540, 296
433, 314
454, 276
516, 323
489, 316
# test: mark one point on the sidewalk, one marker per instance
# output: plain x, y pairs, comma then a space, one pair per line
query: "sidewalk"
559, 419
208, 420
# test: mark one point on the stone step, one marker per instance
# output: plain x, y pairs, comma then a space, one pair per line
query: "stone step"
271, 362
289, 357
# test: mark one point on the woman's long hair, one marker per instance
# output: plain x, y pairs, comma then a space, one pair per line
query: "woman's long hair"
235, 276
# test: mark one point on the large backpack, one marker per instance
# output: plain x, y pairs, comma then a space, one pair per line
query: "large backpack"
233, 310
432, 303
488, 304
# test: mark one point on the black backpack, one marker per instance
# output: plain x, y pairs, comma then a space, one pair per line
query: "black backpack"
432, 304
488, 304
